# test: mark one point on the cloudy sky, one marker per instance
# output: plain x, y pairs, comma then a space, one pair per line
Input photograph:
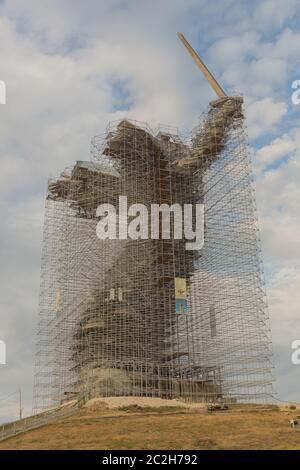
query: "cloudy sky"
71, 67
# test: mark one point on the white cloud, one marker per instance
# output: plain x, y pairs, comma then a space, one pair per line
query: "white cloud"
284, 302
264, 115
234, 49
272, 14
277, 149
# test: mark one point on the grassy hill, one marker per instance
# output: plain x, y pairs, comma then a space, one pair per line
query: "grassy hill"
133, 427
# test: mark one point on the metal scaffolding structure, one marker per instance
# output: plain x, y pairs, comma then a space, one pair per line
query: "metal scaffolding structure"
111, 321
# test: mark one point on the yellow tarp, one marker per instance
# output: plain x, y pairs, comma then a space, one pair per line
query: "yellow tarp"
180, 288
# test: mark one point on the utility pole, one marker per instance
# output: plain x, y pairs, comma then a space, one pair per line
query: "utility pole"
20, 403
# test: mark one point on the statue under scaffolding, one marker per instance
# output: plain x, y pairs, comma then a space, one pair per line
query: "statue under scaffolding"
147, 317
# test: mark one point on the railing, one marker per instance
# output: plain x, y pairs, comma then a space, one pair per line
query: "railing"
36, 421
